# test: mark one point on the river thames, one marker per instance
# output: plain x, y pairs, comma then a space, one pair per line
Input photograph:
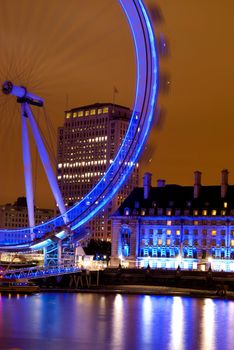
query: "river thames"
58, 321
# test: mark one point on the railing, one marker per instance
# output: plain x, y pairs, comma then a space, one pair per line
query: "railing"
40, 272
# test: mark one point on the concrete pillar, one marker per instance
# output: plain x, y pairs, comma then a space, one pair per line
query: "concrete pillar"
224, 183
181, 237
76, 256
115, 242
138, 232
228, 239
133, 239
197, 184
45, 256
59, 253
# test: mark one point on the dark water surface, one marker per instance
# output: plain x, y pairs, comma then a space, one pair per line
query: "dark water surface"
94, 321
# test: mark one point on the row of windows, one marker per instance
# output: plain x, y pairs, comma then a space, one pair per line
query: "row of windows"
20, 216
81, 171
81, 135
87, 112
78, 176
177, 242
76, 147
177, 212
212, 232
99, 121
88, 158
83, 163
186, 253
84, 148
194, 222
74, 127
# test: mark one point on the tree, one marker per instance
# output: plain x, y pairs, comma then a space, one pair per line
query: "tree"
98, 248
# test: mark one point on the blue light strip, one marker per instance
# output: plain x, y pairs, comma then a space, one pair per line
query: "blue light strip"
152, 103
136, 136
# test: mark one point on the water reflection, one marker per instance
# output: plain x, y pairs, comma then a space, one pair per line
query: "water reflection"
147, 319
93, 321
177, 325
208, 325
118, 321
229, 327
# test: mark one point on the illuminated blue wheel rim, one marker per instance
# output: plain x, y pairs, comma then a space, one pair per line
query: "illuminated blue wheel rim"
128, 154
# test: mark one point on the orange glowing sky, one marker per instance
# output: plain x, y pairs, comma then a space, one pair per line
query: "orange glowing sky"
72, 52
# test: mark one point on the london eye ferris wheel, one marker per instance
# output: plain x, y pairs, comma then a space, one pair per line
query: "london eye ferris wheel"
35, 237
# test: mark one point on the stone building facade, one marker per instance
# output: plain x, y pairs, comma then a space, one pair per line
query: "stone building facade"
16, 215
171, 225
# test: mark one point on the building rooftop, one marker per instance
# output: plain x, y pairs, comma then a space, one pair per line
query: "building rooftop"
97, 105
176, 197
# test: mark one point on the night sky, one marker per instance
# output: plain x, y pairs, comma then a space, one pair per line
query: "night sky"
74, 52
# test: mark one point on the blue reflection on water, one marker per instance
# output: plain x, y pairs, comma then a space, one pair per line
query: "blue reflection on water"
93, 321
177, 325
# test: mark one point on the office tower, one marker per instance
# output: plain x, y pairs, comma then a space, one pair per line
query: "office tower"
87, 143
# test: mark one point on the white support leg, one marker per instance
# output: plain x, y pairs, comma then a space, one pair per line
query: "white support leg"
46, 163
27, 170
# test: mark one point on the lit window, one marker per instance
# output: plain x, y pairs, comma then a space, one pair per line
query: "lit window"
223, 212
80, 114
93, 112
213, 232
232, 242
99, 110
168, 232
159, 241
74, 114
177, 232
213, 212
86, 113
168, 212
168, 222
168, 241
195, 213
105, 110
204, 212
195, 222
143, 212
225, 204
126, 212
68, 115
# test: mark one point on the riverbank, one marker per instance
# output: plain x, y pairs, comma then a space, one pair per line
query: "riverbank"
147, 290
144, 281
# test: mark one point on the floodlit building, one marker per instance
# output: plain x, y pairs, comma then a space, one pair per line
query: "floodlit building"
87, 143
167, 226
16, 215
